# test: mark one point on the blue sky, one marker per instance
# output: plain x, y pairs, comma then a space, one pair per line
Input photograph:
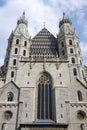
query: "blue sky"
2, 2
38, 12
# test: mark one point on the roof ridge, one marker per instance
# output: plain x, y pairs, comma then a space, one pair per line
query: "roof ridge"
43, 32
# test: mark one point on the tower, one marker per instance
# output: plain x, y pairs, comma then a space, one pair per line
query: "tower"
18, 46
44, 87
69, 48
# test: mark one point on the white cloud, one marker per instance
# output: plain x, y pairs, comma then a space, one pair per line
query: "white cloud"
37, 11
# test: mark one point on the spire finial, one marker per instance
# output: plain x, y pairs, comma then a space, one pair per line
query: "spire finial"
23, 16
24, 13
64, 15
44, 24
22, 19
64, 20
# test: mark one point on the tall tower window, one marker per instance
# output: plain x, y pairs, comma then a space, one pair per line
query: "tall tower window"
10, 96
71, 50
24, 52
14, 62
62, 44
82, 73
79, 93
12, 74
16, 50
25, 43
70, 42
73, 60
17, 41
74, 71
44, 107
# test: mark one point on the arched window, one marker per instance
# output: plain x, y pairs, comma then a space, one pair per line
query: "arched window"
62, 44
12, 74
16, 50
79, 95
25, 43
14, 62
44, 107
10, 96
17, 41
80, 62
7, 115
74, 71
71, 50
70, 42
24, 52
82, 73
73, 60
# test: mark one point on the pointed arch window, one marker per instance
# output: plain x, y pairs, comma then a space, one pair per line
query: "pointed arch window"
17, 41
25, 43
74, 71
16, 50
44, 107
71, 50
70, 42
12, 74
73, 60
79, 93
82, 73
10, 96
24, 52
62, 44
14, 62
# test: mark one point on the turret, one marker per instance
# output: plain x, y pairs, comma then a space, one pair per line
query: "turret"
18, 46
65, 20
69, 47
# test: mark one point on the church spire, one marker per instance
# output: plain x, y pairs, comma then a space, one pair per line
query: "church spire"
64, 15
64, 20
22, 20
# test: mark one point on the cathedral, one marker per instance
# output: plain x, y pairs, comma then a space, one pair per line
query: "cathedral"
43, 82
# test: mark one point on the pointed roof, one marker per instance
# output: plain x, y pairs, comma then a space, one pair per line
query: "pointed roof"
10, 83
44, 44
65, 19
22, 19
44, 32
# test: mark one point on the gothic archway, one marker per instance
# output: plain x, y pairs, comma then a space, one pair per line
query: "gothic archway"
44, 105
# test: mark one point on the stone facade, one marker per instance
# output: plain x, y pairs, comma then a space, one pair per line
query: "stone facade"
43, 82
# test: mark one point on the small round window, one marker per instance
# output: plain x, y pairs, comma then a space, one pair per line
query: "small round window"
8, 115
81, 115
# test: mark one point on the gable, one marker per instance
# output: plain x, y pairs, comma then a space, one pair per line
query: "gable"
78, 86
9, 87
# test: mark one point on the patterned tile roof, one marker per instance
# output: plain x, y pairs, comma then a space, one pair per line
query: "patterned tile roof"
44, 44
